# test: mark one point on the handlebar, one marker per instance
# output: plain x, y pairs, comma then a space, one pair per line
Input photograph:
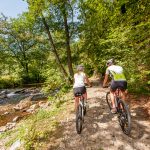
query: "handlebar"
88, 86
105, 86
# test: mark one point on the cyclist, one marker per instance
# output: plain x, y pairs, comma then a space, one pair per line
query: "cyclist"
79, 84
118, 80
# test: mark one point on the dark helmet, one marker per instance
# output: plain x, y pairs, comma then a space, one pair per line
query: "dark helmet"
80, 67
110, 62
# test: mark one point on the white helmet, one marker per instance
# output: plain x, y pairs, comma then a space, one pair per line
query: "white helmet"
80, 67
110, 62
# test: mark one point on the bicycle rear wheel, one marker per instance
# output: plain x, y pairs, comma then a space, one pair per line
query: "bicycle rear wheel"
108, 100
79, 120
84, 107
124, 117
84, 110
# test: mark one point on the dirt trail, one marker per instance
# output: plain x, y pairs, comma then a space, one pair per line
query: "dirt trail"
101, 130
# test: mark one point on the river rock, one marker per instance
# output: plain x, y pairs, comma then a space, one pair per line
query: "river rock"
6, 113
41, 103
15, 145
3, 94
44, 105
35, 106
10, 125
31, 110
1, 101
21, 91
12, 95
38, 96
23, 104
16, 119
3, 129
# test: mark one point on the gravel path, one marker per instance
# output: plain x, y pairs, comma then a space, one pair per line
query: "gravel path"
101, 130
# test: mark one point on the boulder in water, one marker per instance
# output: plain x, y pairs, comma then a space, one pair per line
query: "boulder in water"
23, 104
38, 96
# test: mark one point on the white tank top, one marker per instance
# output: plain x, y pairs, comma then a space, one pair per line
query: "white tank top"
79, 79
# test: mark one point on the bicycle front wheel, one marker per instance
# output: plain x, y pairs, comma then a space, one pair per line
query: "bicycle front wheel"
108, 100
79, 119
84, 110
124, 117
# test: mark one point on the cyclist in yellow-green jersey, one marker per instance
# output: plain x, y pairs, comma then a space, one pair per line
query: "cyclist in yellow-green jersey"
118, 80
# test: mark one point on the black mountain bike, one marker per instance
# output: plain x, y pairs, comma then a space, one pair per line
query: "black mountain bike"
123, 112
81, 111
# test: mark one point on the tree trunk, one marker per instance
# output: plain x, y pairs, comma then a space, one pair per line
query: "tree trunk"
25, 63
68, 45
54, 49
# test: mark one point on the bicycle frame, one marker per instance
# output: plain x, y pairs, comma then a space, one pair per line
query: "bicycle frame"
80, 96
117, 95
81, 102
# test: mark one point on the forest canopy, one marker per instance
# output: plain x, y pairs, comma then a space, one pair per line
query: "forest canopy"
46, 43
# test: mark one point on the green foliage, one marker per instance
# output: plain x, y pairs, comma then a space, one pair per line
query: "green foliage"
108, 32
53, 81
9, 82
58, 97
6, 134
98, 30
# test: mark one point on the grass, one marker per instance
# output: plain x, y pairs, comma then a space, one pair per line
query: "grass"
6, 134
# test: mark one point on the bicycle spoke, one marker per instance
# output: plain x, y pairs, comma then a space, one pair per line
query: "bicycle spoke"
79, 119
108, 100
124, 118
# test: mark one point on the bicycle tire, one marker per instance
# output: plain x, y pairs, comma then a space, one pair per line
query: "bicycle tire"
124, 117
84, 110
84, 107
79, 120
108, 100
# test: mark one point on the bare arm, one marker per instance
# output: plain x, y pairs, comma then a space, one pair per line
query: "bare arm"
87, 80
105, 80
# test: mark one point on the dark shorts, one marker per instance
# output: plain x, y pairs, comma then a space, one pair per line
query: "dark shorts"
81, 90
118, 84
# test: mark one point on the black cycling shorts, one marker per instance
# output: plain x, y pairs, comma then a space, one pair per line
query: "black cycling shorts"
81, 90
118, 84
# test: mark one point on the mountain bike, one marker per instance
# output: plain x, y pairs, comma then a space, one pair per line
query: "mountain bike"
122, 110
81, 111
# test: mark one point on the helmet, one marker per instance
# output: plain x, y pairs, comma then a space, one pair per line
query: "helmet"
80, 67
110, 62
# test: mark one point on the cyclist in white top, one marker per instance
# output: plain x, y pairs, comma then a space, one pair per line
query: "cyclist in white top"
118, 80
79, 84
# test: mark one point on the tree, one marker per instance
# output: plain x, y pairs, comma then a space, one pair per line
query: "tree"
44, 15
19, 40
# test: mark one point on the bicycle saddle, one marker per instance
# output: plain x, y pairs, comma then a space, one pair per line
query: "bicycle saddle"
78, 94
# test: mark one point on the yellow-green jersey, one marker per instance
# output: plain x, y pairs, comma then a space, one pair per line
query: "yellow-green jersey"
116, 73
